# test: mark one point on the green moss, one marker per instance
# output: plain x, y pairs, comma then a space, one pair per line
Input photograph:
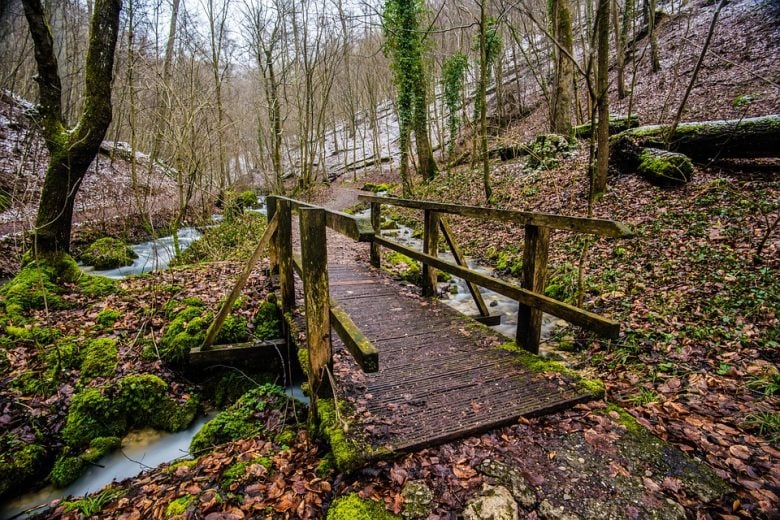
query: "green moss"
243, 419
100, 359
237, 471
665, 168
35, 287
538, 364
235, 329
20, 463
107, 317
96, 286
108, 253
348, 453
352, 507
267, 321
33, 382
179, 506
376, 188
66, 470
286, 437
186, 331
92, 505
326, 465
109, 411
100, 447
225, 387
231, 239
403, 267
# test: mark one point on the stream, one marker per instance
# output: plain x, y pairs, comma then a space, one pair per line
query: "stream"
141, 450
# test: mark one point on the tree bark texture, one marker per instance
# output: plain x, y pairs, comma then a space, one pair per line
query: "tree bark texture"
561, 120
599, 176
71, 150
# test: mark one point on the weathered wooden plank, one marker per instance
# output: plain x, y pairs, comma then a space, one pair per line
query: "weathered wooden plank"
314, 256
365, 353
355, 228
603, 326
529, 319
237, 353
376, 218
592, 226
461, 261
284, 254
270, 212
215, 327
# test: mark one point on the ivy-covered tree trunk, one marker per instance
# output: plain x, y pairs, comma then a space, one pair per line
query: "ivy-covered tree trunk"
71, 150
425, 158
561, 113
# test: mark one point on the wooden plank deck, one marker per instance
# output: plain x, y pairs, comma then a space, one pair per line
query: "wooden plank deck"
441, 375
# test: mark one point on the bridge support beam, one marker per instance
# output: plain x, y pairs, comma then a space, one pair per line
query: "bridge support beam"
376, 218
430, 247
529, 320
314, 260
270, 206
284, 255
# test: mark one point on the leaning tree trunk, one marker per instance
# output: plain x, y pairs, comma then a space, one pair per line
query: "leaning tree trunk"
71, 150
705, 141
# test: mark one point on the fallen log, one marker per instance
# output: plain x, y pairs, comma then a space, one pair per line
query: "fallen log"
617, 124
739, 138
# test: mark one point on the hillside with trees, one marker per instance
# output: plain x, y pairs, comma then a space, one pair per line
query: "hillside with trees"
128, 126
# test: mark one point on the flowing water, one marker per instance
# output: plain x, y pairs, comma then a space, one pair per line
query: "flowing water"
141, 450
154, 255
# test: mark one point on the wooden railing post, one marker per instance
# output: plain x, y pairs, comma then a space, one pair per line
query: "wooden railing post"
270, 211
376, 214
430, 247
285, 252
529, 320
314, 260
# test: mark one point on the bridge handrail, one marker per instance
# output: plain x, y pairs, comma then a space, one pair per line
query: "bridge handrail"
356, 228
530, 297
594, 226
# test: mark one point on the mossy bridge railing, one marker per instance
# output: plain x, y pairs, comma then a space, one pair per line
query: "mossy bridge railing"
322, 312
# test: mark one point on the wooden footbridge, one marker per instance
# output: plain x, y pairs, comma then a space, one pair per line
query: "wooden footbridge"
406, 371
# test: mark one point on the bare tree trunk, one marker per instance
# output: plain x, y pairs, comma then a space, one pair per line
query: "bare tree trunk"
599, 176
650, 8
71, 150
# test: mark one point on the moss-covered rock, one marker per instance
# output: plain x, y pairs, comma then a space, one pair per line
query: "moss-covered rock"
107, 317
21, 463
186, 331
68, 468
36, 286
250, 415
236, 203
108, 253
376, 188
349, 452
137, 400
403, 267
545, 151
225, 387
100, 359
235, 329
97, 286
267, 320
352, 507
665, 168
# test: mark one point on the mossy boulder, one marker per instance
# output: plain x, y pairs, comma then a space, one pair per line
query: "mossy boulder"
38, 284
100, 359
268, 321
352, 507
664, 168
68, 468
108, 253
545, 151
134, 401
186, 331
21, 463
235, 329
254, 413
237, 202
107, 317
376, 187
